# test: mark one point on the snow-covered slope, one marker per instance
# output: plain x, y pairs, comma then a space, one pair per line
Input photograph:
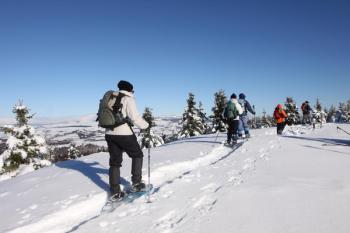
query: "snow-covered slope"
295, 183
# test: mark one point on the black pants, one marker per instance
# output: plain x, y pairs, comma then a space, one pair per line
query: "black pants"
280, 127
117, 144
232, 130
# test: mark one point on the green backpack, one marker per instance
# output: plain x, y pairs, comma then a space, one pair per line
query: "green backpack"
231, 111
111, 118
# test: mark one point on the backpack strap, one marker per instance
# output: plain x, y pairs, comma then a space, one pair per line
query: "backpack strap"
117, 104
117, 108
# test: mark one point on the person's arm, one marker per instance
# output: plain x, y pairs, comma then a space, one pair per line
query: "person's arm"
133, 114
283, 113
249, 108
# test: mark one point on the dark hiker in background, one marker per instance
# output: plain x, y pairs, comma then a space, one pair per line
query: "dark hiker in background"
306, 109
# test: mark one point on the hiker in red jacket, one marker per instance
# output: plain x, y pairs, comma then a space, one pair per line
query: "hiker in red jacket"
280, 116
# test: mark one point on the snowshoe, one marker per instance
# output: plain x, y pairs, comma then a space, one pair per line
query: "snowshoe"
112, 200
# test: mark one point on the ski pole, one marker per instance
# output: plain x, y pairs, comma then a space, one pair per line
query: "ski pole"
149, 175
343, 130
216, 138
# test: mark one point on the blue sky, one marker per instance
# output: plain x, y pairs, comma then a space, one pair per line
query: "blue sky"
61, 56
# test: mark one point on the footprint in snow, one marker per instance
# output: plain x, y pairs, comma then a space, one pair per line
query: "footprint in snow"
74, 196
236, 180
122, 214
169, 221
23, 211
262, 150
212, 188
26, 216
167, 194
264, 156
33, 207
103, 224
205, 204
247, 166
4, 194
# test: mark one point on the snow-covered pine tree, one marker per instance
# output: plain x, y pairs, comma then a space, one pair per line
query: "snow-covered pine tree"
218, 110
292, 112
343, 113
24, 149
73, 152
148, 138
318, 113
202, 115
347, 110
192, 124
346, 106
331, 114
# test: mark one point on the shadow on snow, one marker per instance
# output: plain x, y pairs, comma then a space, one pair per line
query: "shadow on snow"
333, 141
91, 171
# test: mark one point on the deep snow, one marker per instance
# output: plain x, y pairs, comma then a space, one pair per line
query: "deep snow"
295, 183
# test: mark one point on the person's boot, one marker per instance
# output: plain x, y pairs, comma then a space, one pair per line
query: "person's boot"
138, 187
117, 196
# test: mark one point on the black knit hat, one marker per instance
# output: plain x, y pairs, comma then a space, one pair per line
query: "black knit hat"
233, 96
125, 86
242, 96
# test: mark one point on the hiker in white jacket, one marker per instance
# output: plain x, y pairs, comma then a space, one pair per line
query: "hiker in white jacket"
122, 139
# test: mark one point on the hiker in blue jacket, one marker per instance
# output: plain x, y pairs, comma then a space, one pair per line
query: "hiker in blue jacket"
243, 119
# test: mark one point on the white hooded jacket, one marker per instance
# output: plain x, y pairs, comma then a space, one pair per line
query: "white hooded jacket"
238, 107
129, 110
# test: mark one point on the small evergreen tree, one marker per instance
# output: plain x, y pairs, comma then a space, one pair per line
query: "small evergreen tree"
149, 139
342, 114
318, 114
318, 105
23, 146
331, 114
292, 112
192, 124
73, 152
218, 110
203, 117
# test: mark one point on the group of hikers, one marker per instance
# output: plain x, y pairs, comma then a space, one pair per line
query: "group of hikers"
280, 115
236, 117
121, 138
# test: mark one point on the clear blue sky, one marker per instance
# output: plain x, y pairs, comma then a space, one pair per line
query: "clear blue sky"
59, 56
